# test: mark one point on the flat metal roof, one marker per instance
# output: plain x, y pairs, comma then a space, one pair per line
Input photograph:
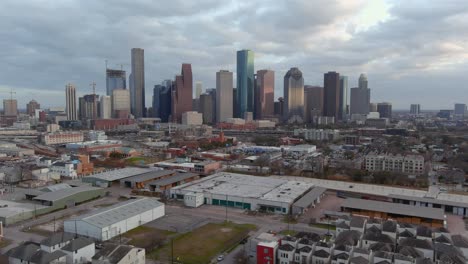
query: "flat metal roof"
119, 212
309, 197
153, 174
247, 186
173, 179
394, 208
380, 190
115, 175
64, 193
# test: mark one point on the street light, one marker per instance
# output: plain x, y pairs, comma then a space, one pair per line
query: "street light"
172, 245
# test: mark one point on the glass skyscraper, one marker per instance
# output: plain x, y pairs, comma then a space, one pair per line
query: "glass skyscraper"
115, 79
245, 82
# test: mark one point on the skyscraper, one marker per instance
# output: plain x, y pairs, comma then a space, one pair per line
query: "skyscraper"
87, 106
360, 97
224, 82
293, 96
265, 99
115, 79
156, 100
460, 109
198, 89
415, 109
137, 93
313, 102
331, 95
105, 107
120, 103
10, 107
165, 101
70, 94
182, 93
31, 107
206, 108
385, 110
245, 82
343, 108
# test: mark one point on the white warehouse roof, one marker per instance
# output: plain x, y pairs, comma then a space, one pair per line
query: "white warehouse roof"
240, 185
119, 212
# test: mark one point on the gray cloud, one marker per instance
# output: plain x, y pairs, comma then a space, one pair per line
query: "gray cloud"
418, 55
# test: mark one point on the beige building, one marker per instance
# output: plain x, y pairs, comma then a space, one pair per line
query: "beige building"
120, 100
62, 138
192, 118
10, 107
408, 164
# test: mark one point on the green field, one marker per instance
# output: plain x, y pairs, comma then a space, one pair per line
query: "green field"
204, 243
147, 237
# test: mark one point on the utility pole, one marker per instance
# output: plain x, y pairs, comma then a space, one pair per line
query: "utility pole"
93, 84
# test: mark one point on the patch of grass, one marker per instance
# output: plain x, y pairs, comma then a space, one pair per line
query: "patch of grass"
324, 226
203, 243
289, 219
147, 237
4, 242
288, 232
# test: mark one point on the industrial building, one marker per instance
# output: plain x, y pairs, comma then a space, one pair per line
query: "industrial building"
432, 217
162, 185
107, 178
244, 191
139, 181
104, 224
67, 197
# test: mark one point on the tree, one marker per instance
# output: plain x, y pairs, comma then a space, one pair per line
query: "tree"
262, 161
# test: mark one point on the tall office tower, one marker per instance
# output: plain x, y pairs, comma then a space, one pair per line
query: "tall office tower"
313, 102
120, 103
460, 109
343, 108
206, 108
182, 93
105, 107
293, 96
363, 83
279, 107
331, 95
415, 109
115, 79
198, 89
245, 82
372, 107
224, 88
70, 93
137, 95
360, 97
10, 107
31, 107
87, 106
235, 105
265, 99
385, 110
165, 101
156, 99
212, 93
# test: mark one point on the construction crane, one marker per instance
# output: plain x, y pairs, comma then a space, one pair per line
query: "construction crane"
93, 84
11, 93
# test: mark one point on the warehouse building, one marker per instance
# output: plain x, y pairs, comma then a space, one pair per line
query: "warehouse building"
163, 185
244, 191
107, 178
140, 181
104, 224
432, 217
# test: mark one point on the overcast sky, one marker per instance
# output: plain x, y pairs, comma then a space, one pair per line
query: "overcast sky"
412, 51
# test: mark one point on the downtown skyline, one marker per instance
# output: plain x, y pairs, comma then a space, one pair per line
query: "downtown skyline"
401, 58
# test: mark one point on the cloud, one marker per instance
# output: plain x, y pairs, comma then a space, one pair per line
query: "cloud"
405, 47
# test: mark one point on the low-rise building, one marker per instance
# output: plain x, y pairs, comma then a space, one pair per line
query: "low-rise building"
104, 224
62, 138
408, 164
192, 118
79, 250
119, 254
